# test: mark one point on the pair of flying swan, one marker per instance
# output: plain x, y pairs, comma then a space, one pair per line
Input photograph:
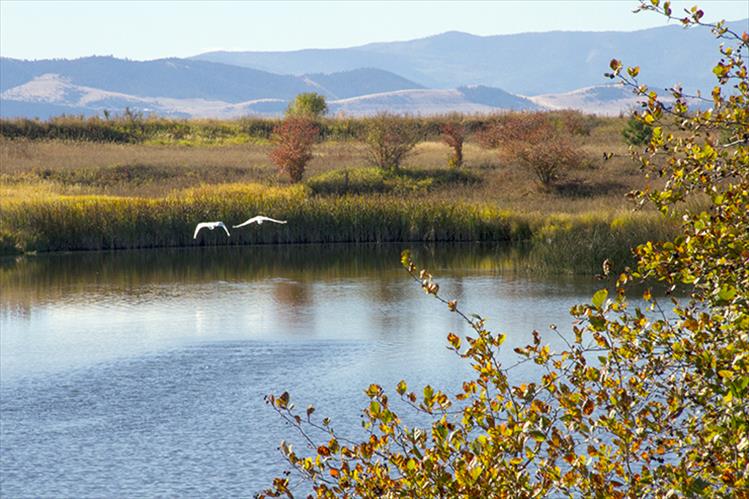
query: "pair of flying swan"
212, 225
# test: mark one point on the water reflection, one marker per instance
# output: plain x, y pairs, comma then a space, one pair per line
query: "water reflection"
143, 276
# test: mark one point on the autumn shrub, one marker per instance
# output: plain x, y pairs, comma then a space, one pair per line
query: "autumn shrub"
535, 141
453, 134
515, 127
548, 159
389, 139
293, 138
646, 394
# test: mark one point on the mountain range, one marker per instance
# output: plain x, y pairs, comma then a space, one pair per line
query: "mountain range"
443, 73
526, 63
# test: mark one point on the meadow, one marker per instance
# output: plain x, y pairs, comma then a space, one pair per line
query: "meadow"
76, 184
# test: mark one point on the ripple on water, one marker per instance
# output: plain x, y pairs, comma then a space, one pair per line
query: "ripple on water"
142, 374
185, 422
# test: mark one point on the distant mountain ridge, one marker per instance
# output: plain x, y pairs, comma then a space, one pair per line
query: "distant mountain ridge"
450, 72
188, 88
526, 63
192, 79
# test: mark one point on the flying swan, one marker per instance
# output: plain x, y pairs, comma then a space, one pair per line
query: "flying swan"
209, 226
259, 220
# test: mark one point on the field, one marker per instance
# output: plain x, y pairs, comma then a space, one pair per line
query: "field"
63, 194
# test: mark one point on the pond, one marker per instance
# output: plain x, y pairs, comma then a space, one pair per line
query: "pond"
142, 373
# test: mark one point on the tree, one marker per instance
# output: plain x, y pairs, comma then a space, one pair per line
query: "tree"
642, 401
389, 140
308, 105
293, 139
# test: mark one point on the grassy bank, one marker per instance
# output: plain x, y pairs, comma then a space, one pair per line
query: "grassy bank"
88, 222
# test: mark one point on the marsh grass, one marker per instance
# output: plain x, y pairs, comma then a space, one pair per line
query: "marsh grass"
558, 243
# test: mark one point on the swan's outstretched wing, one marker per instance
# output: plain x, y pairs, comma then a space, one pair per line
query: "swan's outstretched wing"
248, 222
202, 225
221, 224
258, 220
268, 219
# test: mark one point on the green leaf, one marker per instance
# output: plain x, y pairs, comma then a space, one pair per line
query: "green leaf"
726, 292
405, 257
476, 471
599, 297
538, 435
402, 387
428, 392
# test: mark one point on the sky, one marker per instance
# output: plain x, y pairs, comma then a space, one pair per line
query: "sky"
143, 30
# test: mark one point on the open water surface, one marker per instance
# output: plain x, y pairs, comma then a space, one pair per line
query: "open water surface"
142, 373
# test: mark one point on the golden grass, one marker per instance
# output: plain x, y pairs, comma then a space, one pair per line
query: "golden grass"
155, 170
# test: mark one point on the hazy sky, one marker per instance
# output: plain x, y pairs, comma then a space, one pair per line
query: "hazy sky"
154, 29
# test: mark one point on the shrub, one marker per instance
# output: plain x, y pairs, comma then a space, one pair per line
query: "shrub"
293, 139
453, 134
536, 141
548, 159
348, 181
389, 140
574, 122
637, 133
515, 127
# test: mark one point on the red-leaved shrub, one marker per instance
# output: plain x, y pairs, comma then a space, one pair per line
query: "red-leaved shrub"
293, 139
536, 141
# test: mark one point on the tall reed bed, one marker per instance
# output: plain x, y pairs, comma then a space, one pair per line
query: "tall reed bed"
103, 222
61, 223
581, 242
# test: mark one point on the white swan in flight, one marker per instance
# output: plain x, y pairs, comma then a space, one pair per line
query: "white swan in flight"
209, 226
259, 220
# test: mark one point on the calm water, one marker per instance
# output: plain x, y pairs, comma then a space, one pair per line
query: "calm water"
142, 374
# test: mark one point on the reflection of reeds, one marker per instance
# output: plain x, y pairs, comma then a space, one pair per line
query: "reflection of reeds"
31, 280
